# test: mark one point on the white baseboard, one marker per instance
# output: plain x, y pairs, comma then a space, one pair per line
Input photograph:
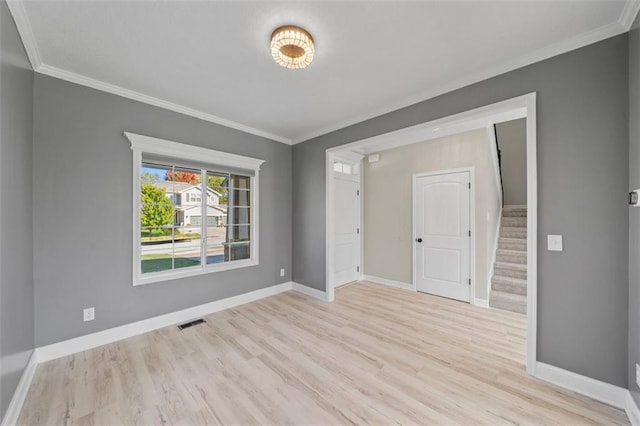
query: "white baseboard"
317, 294
15, 406
89, 341
391, 283
632, 410
481, 303
601, 391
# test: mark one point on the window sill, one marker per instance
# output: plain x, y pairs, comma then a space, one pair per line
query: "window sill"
193, 271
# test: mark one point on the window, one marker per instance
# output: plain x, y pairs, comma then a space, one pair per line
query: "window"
344, 168
194, 198
170, 239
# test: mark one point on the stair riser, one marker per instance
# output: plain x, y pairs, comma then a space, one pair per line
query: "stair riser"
520, 308
509, 287
510, 273
514, 213
520, 222
513, 245
512, 258
513, 233
509, 281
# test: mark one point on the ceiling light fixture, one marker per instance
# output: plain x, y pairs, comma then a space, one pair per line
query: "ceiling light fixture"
292, 47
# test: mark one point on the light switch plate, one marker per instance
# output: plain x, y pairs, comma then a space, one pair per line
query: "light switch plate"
89, 314
554, 242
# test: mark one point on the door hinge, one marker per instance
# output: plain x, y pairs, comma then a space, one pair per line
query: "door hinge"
358, 192
357, 269
469, 185
469, 281
358, 230
469, 232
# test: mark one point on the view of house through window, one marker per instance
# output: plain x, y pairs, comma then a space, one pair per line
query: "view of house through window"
174, 200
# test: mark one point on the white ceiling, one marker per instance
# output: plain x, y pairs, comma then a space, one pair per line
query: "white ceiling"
212, 59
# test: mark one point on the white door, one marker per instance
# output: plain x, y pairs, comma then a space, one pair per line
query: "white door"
346, 214
443, 235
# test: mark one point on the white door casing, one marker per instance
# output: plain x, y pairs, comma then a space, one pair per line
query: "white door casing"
523, 106
442, 212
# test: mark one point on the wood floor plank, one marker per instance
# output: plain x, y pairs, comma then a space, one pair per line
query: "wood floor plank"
377, 355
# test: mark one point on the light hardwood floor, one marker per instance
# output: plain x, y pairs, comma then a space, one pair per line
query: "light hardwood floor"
376, 355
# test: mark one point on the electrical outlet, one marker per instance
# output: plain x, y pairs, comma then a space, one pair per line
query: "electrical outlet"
554, 242
638, 374
89, 314
282, 272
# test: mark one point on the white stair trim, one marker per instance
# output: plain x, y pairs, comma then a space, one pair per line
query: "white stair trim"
493, 257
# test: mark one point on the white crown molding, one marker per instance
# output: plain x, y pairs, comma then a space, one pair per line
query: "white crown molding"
20, 394
585, 39
19, 13
140, 97
21, 19
629, 13
17, 9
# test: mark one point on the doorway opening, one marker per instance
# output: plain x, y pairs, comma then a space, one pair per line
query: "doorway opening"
453, 263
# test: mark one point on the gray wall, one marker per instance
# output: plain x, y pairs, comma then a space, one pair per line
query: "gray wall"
583, 147
512, 139
82, 211
16, 238
634, 213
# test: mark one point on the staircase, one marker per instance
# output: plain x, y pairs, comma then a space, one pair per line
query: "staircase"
509, 280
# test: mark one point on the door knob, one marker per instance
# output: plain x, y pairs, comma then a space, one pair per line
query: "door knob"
419, 240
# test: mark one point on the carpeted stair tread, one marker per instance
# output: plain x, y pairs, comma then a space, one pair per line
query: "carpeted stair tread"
509, 285
511, 256
514, 212
509, 279
513, 232
512, 243
508, 301
515, 222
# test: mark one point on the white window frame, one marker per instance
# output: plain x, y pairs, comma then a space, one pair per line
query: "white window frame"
140, 145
